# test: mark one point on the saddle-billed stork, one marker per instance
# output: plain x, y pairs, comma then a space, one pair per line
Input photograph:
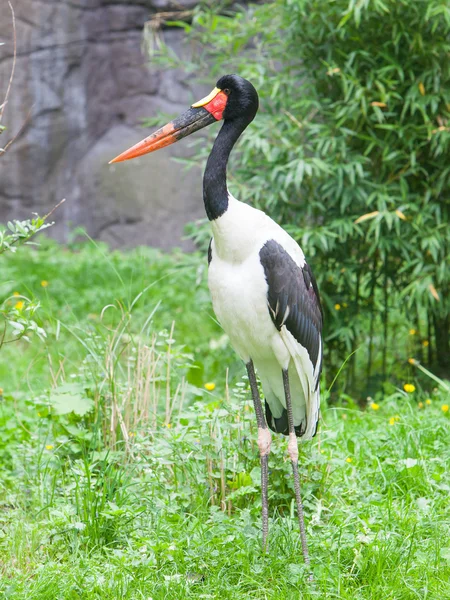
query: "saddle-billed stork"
263, 291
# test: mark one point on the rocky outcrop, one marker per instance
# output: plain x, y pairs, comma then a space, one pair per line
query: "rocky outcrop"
82, 86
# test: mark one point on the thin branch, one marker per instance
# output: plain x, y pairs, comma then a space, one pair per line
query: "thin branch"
159, 19
12, 140
53, 209
14, 62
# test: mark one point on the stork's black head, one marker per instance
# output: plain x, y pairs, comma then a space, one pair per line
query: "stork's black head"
242, 100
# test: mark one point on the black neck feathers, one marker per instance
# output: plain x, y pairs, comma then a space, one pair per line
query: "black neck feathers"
215, 192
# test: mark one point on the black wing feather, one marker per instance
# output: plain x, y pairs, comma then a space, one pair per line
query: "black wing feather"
210, 252
293, 298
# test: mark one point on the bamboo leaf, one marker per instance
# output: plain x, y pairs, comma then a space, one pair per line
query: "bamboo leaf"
367, 216
400, 215
434, 292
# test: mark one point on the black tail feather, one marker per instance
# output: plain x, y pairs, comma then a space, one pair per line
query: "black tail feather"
281, 425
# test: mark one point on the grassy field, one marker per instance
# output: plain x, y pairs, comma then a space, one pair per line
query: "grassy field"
129, 467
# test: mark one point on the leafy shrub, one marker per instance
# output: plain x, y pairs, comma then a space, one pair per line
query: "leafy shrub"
17, 310
350, 153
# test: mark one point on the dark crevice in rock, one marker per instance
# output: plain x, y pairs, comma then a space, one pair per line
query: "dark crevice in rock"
120, 221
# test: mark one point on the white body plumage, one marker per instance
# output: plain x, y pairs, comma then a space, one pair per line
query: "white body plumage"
239, 292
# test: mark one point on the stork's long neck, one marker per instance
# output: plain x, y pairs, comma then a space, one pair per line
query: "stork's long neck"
215, 192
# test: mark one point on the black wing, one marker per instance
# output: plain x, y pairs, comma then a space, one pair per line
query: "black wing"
293, 299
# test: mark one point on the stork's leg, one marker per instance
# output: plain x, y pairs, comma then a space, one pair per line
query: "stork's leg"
264, 441
293, 454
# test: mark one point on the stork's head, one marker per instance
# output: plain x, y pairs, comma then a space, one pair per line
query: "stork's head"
242, 98
233, 99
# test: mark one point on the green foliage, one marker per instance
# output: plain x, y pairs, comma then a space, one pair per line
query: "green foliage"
20, 232
181, 508
124, 477
70, 398
350, 153
18, 311
74, 285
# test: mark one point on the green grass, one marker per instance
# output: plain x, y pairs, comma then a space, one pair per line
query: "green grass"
123, 477
84, 280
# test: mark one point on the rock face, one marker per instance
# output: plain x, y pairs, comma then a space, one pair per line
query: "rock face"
82, 86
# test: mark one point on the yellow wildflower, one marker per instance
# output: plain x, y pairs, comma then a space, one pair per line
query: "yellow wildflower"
412, 361
49, 447
374, 406
1, 391
337, 307
169, 425
210, 386
409, 387
444, 408
348, 459
425, 343
16, 293
428, 402
19, 305
44, 283
412, 332
420, 405
392, 421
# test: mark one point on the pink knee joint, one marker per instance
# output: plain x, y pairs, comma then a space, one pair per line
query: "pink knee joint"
293, 447
264, 441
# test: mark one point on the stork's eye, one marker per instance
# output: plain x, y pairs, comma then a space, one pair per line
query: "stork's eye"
227, 91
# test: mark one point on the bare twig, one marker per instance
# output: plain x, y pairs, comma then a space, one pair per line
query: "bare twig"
159, 19
2, 108
12, 140
53, 209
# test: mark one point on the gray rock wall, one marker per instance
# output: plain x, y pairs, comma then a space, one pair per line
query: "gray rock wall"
84, 81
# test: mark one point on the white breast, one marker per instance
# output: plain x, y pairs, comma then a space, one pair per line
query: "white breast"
237, 281
239, 297
242, 231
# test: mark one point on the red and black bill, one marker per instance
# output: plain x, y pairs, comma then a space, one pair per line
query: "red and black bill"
200, 115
